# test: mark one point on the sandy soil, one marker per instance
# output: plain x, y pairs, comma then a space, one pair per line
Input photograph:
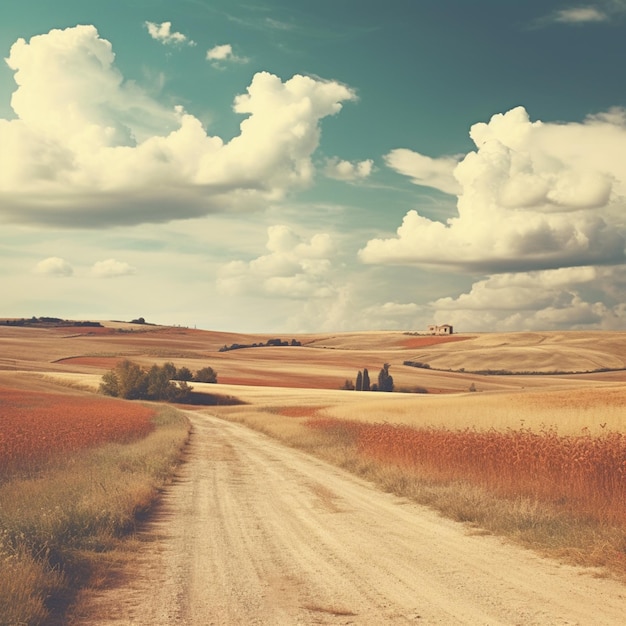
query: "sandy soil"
253, 532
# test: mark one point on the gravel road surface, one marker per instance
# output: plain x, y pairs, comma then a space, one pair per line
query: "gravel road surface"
253, 532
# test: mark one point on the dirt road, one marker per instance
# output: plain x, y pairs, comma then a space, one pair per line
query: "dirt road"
256, 533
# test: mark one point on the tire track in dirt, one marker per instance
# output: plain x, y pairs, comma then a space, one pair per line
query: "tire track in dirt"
253, 532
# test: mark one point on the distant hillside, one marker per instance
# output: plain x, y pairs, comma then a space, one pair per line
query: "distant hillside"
574, 351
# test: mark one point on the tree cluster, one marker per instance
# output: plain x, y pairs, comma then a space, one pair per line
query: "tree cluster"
268, 343
385, 381
131, 381
47, 321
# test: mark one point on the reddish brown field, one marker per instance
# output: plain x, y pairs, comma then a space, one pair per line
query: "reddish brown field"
36, 426
582, 474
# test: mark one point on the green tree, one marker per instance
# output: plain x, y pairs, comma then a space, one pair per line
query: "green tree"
366, 380
182, 391
359, 381
126, 380
159, 386
385, 380
206, 375
170, 370
184, 373
109, 384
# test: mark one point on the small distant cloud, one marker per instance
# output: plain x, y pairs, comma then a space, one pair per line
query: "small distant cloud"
54, 266
224, 54
580, 15
347, 170
163, 33
111, 268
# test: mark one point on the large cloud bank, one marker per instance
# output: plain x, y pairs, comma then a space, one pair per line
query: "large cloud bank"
88, 148
531, 196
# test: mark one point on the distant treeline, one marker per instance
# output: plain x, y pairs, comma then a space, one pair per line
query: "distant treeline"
503, 372
48, 321
268, 343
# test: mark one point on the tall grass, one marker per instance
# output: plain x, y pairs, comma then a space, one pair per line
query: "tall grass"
54, 525
583, 474
564, 495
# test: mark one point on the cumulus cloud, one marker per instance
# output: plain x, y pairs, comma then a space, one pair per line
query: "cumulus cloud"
112, 268
54, 266
347, 170
292, 268
224, 53
424, 170
532, 196
88, 148
163, 33
542, 300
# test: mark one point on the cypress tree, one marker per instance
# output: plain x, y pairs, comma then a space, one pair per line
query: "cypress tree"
359, 381
366, 380
385, 380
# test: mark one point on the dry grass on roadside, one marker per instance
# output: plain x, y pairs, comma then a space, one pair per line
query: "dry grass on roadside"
56, 525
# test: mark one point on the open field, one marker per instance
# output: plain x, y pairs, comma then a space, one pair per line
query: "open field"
576, 396
38, 426
326, 361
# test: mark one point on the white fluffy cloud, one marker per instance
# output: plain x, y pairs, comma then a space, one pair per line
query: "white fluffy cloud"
54, 266
424, 170
111, 268
549, 299
347, 170
88, 148
223, 53
532, 196
163, 33
293, 268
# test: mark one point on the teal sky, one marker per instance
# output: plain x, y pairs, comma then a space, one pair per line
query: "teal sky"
282, 166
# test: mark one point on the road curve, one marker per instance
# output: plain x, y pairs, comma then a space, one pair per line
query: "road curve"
253, 532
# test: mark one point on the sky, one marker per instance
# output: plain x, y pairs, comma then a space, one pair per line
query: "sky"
287, 166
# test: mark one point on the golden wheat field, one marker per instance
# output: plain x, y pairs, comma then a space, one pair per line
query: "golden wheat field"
478, 425
568, 380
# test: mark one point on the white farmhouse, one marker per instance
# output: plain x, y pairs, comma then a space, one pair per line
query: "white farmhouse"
444, 329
